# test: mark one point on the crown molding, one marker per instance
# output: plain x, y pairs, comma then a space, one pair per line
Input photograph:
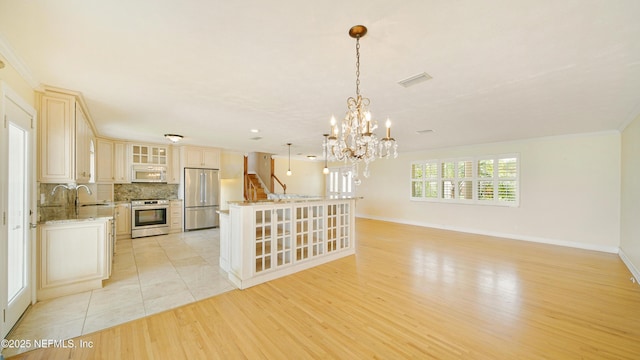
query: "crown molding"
79, 98
14, 60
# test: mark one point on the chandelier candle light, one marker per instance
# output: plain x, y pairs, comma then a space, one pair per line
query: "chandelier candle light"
289, 169
354, 139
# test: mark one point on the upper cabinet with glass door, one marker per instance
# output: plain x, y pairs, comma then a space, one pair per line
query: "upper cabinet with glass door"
149, 155
65, 138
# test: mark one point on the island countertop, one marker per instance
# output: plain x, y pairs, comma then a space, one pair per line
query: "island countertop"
290, 200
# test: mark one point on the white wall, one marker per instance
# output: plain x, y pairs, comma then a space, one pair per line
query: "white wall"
231, 178
306, 178
570, 192
630, 202
11, 76
260, 163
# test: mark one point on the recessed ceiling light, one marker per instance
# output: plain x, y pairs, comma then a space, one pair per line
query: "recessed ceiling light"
255, 131
415, 79
311, 157
422, 132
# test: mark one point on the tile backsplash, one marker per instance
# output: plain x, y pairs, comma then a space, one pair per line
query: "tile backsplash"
127, 192
102, 193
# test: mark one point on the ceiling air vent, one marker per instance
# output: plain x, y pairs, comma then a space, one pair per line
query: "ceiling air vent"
256, 138
415, 79
422, 132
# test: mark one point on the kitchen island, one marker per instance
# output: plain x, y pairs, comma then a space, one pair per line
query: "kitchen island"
75, 249
265, 240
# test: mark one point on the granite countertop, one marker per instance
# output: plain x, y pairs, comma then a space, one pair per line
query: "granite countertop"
86, 212
289, 200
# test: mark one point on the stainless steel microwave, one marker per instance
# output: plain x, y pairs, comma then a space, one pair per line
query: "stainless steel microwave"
148, 174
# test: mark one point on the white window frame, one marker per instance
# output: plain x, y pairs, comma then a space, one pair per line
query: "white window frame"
495, 180
340, 183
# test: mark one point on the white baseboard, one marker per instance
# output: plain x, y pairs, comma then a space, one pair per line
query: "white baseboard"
634, 270
607, 249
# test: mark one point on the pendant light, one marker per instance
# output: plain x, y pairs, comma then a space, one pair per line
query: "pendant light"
354, 139
289, 170
326, 168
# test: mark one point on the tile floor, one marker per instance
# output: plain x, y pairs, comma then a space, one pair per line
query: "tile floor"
149, 275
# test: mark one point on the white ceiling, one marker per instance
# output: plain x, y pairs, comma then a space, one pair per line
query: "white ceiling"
211, 70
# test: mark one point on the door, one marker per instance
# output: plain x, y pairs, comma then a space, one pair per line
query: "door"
18, 186
149, 216
200, 218
210, 187
192, 187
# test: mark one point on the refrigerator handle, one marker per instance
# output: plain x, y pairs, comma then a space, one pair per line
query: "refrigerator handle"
202, 186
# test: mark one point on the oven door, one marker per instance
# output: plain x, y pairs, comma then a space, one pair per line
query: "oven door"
149, 220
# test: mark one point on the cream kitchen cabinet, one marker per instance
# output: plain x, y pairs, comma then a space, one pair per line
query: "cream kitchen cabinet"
56, 137
173, 176
123, 221
85, 148
149, 155
104, 163
263, 241
201, 157
122, 162
175, 216
65, 134
73, 257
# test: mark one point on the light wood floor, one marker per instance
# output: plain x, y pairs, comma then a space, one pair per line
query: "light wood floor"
410, 292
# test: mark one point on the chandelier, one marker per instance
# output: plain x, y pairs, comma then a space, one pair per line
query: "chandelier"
354, 140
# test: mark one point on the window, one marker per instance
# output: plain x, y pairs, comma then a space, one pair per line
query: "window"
424, 180
490, 180
340, 183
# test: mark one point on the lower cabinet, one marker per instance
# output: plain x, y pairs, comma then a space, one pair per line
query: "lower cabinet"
175, 216
74, 257
266, 240
123, 220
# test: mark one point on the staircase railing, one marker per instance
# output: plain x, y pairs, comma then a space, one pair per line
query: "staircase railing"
246, 179
251, 192
284, 186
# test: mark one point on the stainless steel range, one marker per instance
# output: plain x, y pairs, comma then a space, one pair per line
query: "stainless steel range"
149, 217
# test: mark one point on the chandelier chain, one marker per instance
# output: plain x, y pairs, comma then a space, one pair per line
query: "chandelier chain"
357, 66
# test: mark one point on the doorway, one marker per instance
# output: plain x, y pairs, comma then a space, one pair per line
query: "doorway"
17, 250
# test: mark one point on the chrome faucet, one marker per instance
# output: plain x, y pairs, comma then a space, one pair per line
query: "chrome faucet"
53, 192
77, 203
72, 187
85, 187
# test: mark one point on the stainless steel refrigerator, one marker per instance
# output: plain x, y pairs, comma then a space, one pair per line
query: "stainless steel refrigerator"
200, 198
